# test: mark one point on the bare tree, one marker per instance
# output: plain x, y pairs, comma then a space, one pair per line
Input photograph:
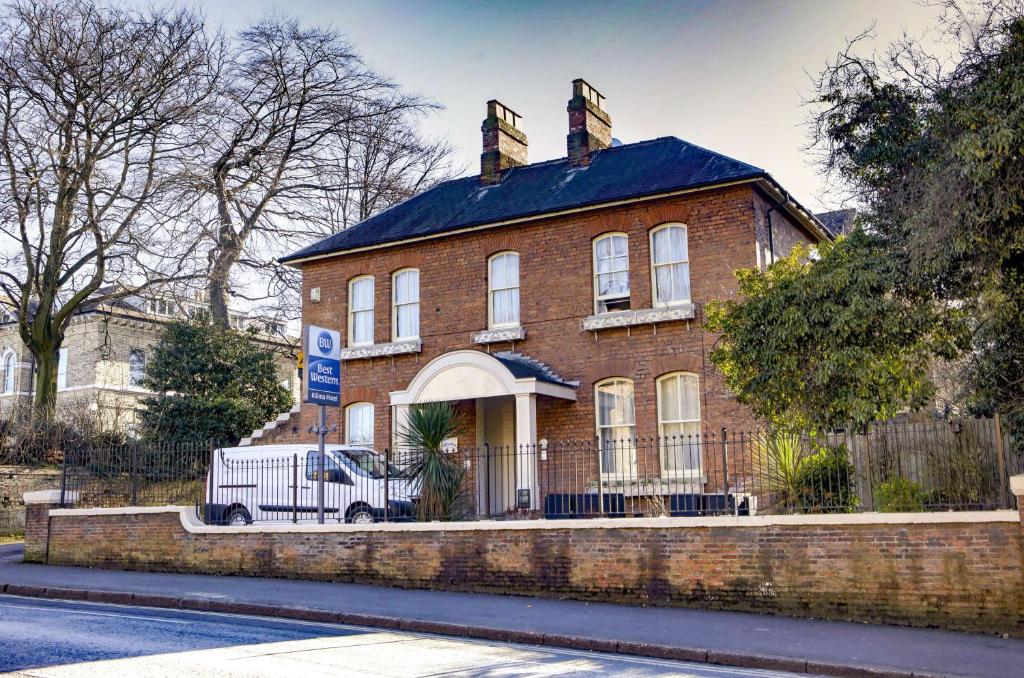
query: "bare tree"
303, 138
95, 103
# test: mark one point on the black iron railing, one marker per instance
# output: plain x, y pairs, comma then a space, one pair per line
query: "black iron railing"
930, 466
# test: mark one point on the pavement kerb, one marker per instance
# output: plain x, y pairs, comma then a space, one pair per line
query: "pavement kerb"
694, 654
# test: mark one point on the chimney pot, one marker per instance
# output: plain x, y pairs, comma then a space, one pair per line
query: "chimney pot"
590, 127
504, 144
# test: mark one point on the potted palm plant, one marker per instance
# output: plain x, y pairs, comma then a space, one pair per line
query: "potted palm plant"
438, 475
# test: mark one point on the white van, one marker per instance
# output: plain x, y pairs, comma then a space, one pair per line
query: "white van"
278, 483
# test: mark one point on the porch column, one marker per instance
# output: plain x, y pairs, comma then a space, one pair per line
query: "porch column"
526, 448
399, 420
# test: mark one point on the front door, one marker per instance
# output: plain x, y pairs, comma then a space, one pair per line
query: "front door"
496, 479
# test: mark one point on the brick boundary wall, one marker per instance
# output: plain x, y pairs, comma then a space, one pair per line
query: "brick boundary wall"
962, 570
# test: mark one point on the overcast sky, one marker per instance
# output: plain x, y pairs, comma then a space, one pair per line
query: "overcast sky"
730, 76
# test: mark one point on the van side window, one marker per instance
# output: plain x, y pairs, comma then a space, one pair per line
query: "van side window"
313, 463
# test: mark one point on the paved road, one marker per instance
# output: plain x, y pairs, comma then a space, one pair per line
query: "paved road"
57, 638
877, 647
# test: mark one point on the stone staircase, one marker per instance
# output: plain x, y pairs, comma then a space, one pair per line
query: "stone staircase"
273, 429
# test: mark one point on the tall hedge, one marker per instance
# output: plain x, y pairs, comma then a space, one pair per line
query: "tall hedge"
211, 384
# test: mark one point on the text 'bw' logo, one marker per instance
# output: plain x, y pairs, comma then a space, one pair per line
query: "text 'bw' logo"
324, 342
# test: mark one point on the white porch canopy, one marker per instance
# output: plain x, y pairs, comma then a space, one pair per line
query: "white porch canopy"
466, 375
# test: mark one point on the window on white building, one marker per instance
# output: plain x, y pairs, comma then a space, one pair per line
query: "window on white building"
503, 290
62, 369
405, 320
679, 422
360, 311
10, 371
616, 426
611, 273
136, 367
670, 265
359, 424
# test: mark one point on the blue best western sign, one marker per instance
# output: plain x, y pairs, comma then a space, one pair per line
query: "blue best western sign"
321, 383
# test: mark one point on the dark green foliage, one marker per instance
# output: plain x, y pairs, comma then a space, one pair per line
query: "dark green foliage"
212, 385
818, 342
439, 475
931, 150
899, 495
827, 483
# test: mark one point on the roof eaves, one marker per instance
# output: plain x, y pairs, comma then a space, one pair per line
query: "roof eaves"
298, 258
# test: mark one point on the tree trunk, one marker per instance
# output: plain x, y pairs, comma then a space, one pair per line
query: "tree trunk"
219, 302
226, 255
45, 399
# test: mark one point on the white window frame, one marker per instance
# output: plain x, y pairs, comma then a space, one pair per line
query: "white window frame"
131, 354
627, 473
395, 305
349, 410
663, 421
10, 371
491, 290
598, 298
656, 266
353, 311
62, 369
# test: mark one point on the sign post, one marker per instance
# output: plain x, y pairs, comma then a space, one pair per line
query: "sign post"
321, 385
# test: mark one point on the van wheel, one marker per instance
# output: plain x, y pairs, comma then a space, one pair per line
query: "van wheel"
360, 515
238, 517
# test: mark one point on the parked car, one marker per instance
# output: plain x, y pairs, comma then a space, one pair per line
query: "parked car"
278, 483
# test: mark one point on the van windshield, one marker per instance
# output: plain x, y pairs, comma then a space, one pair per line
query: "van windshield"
369, 463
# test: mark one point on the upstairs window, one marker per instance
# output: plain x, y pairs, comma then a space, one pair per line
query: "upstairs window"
503, 290
10, 369
136, 367
611, 273
405, 321
360, 311
359, 424
670, 265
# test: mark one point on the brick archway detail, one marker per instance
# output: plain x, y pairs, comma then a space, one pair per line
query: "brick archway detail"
363, 394
667, 364
505, 242
610, 367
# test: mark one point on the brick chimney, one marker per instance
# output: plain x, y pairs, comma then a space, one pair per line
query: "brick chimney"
590, 128
504, 142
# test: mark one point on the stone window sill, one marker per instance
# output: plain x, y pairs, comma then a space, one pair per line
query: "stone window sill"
382, 350
640, 316
499, 334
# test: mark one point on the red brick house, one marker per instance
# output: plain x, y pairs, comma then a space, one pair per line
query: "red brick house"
554, 301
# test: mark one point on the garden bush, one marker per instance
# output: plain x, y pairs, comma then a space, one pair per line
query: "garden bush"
826, 481
899, 495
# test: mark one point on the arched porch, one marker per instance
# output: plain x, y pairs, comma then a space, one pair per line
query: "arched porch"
505, 387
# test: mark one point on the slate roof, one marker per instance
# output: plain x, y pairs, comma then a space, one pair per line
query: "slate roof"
525, 367
617, 173
837, 222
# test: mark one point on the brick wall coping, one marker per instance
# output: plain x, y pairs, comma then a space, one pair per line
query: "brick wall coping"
1017, 485
49, 497
190, 521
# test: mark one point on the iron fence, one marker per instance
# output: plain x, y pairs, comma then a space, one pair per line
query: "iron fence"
896, 466
134, 475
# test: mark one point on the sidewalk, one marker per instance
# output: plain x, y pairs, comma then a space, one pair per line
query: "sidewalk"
738, 639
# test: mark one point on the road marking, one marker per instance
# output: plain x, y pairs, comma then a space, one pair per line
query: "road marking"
625, 658
99, 614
